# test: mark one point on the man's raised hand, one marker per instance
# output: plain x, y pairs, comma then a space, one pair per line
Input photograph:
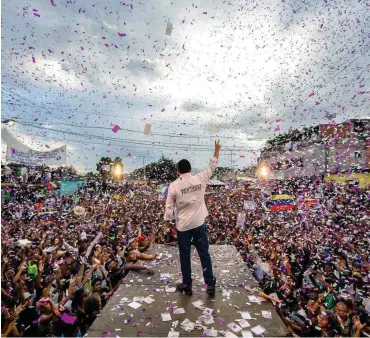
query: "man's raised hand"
217, 148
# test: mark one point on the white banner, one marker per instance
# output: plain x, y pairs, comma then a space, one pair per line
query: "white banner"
54, 157
250, 205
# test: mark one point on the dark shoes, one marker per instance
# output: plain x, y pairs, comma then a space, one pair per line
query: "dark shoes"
186, 290
211, 291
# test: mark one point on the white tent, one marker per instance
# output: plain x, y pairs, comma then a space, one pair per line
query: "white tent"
17, 152
9, 140
216, 183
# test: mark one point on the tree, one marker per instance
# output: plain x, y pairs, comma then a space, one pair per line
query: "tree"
220, 171
163, 170
104, 161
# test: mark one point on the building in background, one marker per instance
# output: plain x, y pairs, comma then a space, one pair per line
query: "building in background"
318, 151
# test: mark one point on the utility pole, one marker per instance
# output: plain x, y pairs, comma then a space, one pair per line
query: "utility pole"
231, 160
144, 157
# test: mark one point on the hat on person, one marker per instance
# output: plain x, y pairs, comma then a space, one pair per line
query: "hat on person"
83, 235
26, 295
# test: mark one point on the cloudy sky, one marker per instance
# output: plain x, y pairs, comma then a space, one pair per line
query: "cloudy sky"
241, 71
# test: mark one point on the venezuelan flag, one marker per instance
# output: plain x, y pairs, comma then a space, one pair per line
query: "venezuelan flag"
47, 215
51, 186
208, 195
281, 203
307, 202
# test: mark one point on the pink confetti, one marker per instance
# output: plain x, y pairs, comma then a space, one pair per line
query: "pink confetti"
52, 2
116, 46
47, 146
106, 45
317, 103
33, 59
163, 110
36, 14
116, 128
121, 34
312, 94
204, 12
132, 6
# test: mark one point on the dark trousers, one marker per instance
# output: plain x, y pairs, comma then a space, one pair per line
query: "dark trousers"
198, 237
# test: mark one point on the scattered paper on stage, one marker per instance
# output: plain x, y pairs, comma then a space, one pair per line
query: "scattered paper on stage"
148, 300
173, 334
134, 305
247, 334
178, 311
207, 319
243, 323
246, 315
210, 333
166, 317
234, 327
266, 314
170, 289
258, 329
187, 325
198, 304
208, 311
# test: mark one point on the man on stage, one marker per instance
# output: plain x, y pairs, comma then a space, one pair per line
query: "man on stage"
186, 197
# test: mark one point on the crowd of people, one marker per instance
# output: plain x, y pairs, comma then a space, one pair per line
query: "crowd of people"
64, 256
16, 173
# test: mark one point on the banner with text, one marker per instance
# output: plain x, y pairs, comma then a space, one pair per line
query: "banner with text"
70, 187
54, 157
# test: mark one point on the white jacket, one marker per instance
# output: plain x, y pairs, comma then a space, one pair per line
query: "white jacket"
186, 195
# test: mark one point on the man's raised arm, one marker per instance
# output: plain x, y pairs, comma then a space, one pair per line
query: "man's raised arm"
207, 173
170, 204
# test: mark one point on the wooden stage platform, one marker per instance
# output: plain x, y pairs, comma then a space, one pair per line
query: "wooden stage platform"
147, 306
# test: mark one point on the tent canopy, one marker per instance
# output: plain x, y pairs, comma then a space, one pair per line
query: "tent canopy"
9, 140
216, 183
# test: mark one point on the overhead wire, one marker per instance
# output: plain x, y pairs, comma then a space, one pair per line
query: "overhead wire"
138, 142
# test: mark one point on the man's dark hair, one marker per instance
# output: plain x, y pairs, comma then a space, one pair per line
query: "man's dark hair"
184, 167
